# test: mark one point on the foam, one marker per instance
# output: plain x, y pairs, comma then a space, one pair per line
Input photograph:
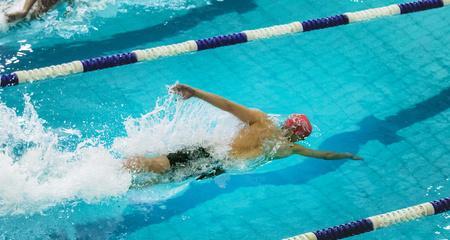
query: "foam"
36, 174
175, 124
157, 193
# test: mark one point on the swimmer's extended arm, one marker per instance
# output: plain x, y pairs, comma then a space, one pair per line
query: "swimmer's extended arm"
245, 114
298, 149
22, 13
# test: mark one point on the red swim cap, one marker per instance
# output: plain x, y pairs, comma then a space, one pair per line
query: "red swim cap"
299, 124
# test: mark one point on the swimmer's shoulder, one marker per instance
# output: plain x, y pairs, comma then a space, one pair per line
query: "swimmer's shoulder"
260, 115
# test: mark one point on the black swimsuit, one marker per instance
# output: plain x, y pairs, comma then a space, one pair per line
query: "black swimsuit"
185, 156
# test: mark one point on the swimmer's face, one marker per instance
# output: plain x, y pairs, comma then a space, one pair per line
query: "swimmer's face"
289, 134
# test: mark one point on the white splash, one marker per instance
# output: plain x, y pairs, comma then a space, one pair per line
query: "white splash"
36, 172
3, 23
157, 193
175, 124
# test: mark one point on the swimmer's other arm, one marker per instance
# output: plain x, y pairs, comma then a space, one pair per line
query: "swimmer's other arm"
300, 150
43, 8
22, 13
245, 114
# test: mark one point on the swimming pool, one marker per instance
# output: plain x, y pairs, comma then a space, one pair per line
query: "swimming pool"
378, 88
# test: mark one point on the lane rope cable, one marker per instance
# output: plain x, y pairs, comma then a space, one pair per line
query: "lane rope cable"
376, 222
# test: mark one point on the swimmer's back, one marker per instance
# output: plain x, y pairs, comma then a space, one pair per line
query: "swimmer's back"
249, 142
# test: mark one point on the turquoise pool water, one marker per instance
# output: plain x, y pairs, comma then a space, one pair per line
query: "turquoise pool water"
380, 88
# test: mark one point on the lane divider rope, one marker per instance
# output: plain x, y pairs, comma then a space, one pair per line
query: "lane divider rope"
213, 42
376, 222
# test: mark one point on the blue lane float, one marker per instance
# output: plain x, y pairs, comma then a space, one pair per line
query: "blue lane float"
420, 6
9, 80
221, 41
325, 22
104, 62
376, 222
108, 61
441, 206
345, 230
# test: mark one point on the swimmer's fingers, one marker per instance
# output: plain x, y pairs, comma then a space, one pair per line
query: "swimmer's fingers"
11, 17
355, 157
184, 91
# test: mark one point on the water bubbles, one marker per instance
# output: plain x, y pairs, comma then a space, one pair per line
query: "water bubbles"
3, 23
24, 49
434, 190
35, 173
174, 125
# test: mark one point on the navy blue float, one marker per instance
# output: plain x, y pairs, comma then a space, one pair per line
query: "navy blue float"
108, 61
366, 225
441, 206
220, 41
345, 230
9, 80
420, 6
325, 22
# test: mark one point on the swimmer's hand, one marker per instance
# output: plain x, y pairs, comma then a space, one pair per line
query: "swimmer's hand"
355, 157
184, 91
11, 17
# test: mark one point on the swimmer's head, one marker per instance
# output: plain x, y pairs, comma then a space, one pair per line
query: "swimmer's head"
297, 127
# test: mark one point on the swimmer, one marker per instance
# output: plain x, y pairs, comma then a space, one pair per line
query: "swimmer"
250, 142
42, 6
